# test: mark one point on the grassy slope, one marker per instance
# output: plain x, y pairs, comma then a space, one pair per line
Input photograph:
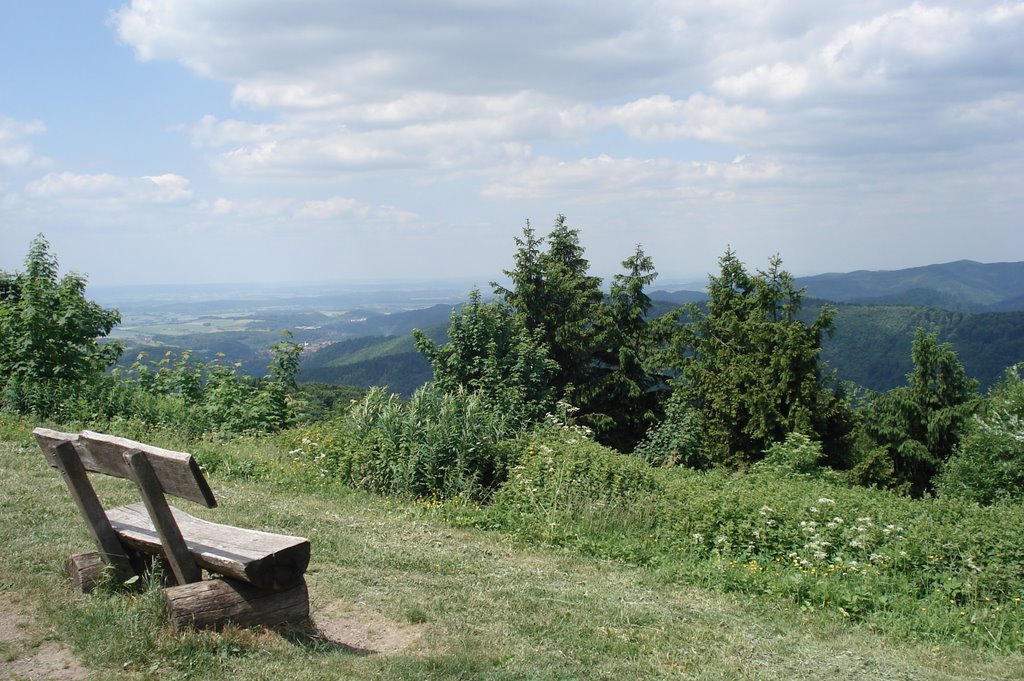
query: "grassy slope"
480, 607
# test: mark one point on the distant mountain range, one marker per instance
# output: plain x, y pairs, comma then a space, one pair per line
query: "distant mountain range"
978, 308
961, 286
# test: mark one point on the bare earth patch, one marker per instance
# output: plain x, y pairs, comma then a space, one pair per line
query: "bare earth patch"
359, 630
23, 658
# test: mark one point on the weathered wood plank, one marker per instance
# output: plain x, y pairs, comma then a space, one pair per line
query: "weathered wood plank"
182, 564
91, 510
215, 602
178, 472
267, 560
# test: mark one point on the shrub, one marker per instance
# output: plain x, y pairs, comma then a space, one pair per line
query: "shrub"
798, 455
566, 488
440, 444
989, 463
676, 439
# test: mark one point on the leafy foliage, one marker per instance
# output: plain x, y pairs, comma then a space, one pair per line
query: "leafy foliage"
676, 440
797, 455
49, 334
440, 444
491, 352
199, 397
988, 464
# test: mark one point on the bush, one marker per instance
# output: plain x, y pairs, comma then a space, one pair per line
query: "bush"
989, 463
438, 445
798, 455
568, 489
676, 439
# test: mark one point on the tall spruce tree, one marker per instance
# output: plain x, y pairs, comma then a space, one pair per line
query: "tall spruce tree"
628, 396
555, 297
750, 366
920, 424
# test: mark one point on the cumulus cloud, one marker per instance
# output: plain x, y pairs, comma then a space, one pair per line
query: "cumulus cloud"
450, 85
346, 208
15, 149
344, 117
160, 189
777, 81
660, 118
604, 179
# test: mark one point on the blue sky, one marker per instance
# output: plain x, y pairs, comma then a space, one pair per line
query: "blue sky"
229, 141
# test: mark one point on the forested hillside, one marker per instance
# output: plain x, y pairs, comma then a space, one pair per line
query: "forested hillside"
390, 361
869, 344
964, 285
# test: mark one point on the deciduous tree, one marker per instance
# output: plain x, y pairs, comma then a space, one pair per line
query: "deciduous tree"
491, 352
50, 334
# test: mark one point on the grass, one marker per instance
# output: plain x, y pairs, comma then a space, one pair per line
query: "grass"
441, 602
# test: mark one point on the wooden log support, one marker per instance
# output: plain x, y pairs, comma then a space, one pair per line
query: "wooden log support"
111, 550
175, 551
212, 603
85, 570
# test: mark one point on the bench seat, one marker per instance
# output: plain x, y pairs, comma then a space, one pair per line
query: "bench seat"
263, 559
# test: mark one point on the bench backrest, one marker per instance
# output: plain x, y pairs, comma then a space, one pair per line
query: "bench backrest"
177, 472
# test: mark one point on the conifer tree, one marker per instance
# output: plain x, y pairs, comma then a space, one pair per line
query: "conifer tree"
555, 297
627, 399
920, 424
750, 366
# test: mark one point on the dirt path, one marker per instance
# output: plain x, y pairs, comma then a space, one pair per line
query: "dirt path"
353, 627
24, 651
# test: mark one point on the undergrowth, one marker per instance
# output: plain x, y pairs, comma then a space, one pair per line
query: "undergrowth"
928, 569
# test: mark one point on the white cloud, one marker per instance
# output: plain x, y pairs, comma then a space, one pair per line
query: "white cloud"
353, 119
357, 213
160, 189
455, 87
699, 117
604, 179
15, 150
778, 81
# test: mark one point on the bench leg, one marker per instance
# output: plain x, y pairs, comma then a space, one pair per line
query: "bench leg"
86, 569
212, 603
110, 547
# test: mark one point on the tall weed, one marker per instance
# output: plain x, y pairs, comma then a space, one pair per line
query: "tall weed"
440, 444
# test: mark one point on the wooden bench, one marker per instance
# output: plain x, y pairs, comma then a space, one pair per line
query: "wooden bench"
261, 574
